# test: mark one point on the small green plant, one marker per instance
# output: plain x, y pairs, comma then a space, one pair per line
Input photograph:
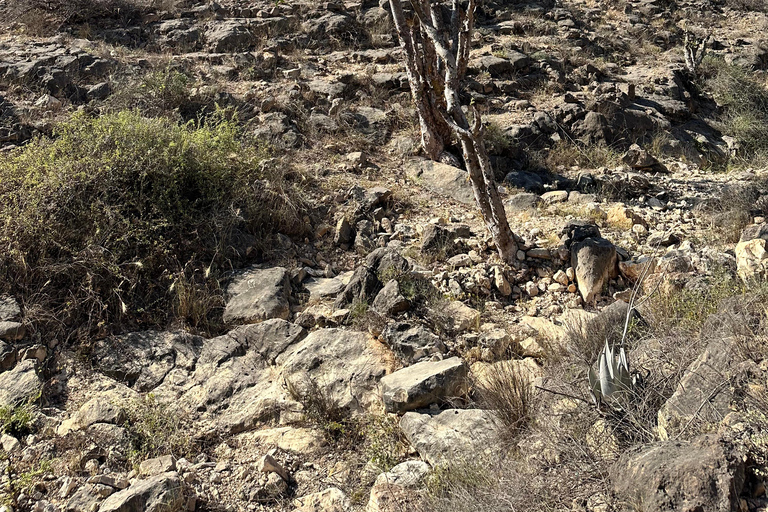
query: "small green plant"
321, 409
157, 428
496, 139
358, 309
17, 420
384, 443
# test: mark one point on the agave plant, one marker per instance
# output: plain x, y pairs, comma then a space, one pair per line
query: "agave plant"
612, 375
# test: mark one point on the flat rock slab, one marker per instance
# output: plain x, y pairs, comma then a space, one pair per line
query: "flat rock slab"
453, 436
444, 179
346, 365
19, 384
326, 287
141, 360
423, 384
412, 341
704, 393
682, 476
258, 294
156, 494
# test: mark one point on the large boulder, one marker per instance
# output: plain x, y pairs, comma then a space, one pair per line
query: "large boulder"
346, 365
704, 393
389, 301
594, 260
365, 283
20, 384
156, 494
412, 341
702, 475
423, 384
142, 359
444, 179
258, 294
229, 36
452, 436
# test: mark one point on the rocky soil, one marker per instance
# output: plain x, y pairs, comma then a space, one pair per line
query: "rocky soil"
353, 362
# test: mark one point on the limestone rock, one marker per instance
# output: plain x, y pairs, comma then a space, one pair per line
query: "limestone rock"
142, 359
412, 341
258, 294
347, 365
389, 301
329, 500
12, 331
229, 36
452, 435
752, 259
157, 465
9, 309
459, 317
704, 390
702, 474
156, 494
19, 384
594, 260
423, 384
441, 178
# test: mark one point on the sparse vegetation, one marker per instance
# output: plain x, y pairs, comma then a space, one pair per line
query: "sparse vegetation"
100, 222
745, 100
506, 389
157, 428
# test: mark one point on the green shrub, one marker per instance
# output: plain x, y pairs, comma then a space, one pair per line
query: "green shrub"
17, 421
97, 224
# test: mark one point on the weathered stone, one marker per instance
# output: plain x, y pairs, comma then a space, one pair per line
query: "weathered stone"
634, 270
624, 218
19, 384
157, 465
500, 282
229, 36
594, 260
441, 178
365, 283
9, 309
156, 494
555, 196
452, 436
143, 359
700, 475
412, 341
329, 500
752, 259
704, 393
347, 366
12, 331
423, 384
408, 474
258, 294
268, 464
389, 301
459, 317
638, 158
100, 409
344, 233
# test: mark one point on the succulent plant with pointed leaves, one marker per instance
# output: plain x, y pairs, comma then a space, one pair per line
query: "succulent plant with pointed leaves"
612, 376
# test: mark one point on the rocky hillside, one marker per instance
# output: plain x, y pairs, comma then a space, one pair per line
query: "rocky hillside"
230, 282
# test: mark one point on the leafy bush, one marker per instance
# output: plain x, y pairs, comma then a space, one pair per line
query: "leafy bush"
98, 224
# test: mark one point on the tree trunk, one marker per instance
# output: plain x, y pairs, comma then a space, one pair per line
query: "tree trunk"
436, 58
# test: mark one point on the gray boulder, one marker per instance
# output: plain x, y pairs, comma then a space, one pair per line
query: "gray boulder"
346, 365
19, 384
704, 393
12, 331
9, 309
258, 294
142, 359
156, 494
423, 384
365, 283
389, 301
595, 262
444, 179
701, 475
229, 36
412, 341
452, 436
